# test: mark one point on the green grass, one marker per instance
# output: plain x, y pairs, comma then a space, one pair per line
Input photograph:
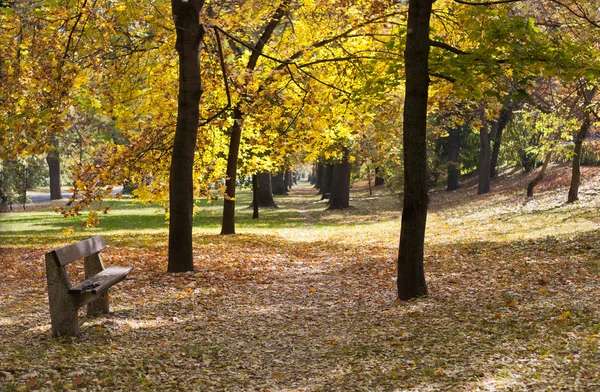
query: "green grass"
127, 217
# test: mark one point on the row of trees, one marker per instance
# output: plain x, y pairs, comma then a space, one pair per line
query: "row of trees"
464, 84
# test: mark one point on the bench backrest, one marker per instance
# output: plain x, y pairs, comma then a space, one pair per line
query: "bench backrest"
78, 250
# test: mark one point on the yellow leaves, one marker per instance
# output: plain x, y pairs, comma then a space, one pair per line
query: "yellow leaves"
565, 316
92, 219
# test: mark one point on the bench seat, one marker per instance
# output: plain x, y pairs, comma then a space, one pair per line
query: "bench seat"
101, 281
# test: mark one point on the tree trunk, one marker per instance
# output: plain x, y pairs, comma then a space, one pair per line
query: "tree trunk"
340, 188
411, 275
484, 158
540, 175
378, 179
289, 182
181, 185
320, 178
265, 193
53, 160
278, 183
228, 223
3, 195
313, 178
327, 182
503, 119
576, 169
254, 196
453, 159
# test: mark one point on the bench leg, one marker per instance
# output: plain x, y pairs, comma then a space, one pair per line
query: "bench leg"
63, 306
64, 321
93, 265
99, 305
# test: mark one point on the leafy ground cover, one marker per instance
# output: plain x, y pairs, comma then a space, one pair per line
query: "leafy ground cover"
304, 299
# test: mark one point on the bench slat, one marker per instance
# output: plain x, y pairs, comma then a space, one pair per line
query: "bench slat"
99, 282
79, 250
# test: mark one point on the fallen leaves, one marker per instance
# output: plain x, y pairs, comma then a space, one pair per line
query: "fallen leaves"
268, 310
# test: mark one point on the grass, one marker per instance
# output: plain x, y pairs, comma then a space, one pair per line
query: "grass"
304, 299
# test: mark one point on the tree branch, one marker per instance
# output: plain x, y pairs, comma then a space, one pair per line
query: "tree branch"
487, 3
447, 47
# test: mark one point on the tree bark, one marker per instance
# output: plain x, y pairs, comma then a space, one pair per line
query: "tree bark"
576, 167
254, 196
378, 179
503, 119
484, 158
265, 192
190, 33
53, 160
453, 159
3, 195
228, 222
313, 178
540, 175
288, 180
278, 183
327, 182
320, 176
340, 187
411, 275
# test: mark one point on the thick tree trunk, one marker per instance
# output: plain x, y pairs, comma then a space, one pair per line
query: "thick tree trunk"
228, 223
484, 158
278, 183
411, 275
453, 159
576, 168
340, 187
540, 175
503, 119
181, 186
265, 193
53, 160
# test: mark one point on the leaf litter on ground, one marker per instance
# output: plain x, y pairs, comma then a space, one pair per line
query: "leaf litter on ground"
512, 304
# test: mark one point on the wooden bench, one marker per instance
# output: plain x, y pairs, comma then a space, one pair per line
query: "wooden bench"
64, 298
